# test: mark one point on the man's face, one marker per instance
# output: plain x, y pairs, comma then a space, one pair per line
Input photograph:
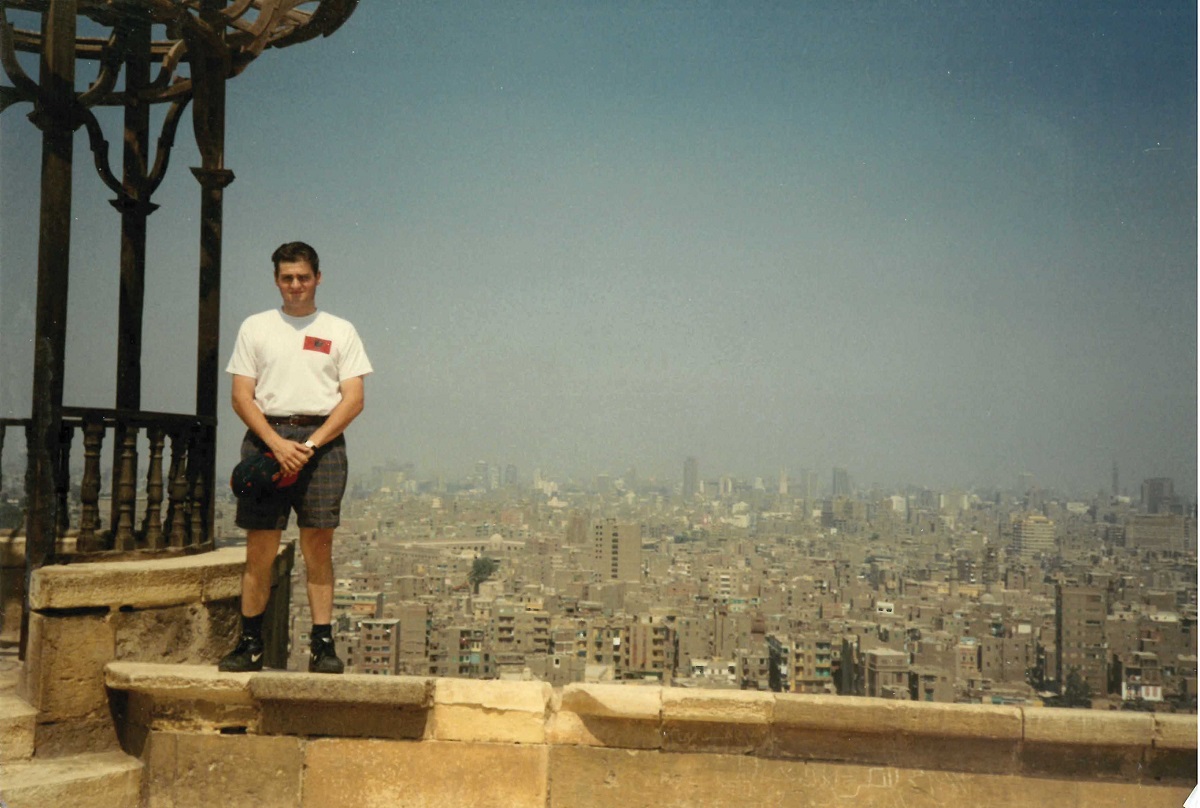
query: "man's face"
298, 286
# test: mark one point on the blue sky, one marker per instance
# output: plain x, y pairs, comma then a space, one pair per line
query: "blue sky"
940, 243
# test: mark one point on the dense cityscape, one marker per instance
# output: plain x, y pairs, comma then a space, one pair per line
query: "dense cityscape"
789, 584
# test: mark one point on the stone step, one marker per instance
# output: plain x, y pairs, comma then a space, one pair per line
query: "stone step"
97, 780
17, 723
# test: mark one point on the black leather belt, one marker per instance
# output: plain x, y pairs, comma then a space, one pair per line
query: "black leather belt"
296, 420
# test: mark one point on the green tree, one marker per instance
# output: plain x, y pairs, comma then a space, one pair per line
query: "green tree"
482, 568
1076, 692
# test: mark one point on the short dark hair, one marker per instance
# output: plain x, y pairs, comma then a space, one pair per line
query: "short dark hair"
296, 251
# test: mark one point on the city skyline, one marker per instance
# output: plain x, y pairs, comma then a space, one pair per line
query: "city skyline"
942, 248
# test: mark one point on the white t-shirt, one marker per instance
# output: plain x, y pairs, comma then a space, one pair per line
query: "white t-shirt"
297, 363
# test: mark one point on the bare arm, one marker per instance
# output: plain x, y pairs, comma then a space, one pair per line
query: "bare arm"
346, 411
291, 455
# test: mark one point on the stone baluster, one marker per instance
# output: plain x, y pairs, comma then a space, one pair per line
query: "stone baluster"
197, 462
62, 486
125, 490
152, 529
177, 491
89, 489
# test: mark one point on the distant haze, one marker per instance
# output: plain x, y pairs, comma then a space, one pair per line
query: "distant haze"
942, 243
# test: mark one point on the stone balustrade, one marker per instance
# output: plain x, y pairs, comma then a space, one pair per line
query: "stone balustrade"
172, 512
291, 739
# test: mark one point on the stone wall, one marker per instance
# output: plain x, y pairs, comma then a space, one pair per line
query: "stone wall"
83, 616
290, 739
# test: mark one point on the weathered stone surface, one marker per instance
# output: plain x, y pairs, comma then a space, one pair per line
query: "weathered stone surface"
64, 667
721, 748
17, 720
105, 780
1124, 795
607, 715
95, 733
215, 575
202, 771
113, 584
350, 706
188, 633
865, 716
426, 774
179, 682
1090, 727
12, 599
410, 691
889, 733
583, 777
1174, 731
726, 706
490, 711
716, 721
614, 701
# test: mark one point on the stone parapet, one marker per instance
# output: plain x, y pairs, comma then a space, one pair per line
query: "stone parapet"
83, 616
369, 741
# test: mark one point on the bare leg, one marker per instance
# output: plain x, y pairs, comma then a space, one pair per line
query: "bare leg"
316, 544
261, 548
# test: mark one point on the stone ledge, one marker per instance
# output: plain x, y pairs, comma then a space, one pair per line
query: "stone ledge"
1089, 727
884, 717
102, 780
607, 715
490, 711
18, 721
391, 691
978, 739
139, 584
1175, 731
179, 682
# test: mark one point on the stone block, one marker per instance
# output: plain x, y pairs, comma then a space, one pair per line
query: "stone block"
12, 600
892, 733
1088, 727
180, 682
416, 692
193, 633
350, 706
1068, 742
102, 780
490, 711
716, 721
17, 720
588, 777
608, 715
1174, 731
186, 770
64, 671
114, 584
385, 774
1124, 795
215, 575
75, 736
864, 716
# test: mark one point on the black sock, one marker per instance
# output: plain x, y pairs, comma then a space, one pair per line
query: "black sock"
321, 631
252, 626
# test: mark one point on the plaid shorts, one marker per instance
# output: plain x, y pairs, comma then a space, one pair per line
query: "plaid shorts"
316, 496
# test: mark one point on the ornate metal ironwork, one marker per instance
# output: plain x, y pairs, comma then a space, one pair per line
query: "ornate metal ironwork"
172, 52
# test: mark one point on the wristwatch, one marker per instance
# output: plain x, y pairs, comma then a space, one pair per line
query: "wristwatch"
310, 445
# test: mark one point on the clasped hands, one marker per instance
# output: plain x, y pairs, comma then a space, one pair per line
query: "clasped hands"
291, 455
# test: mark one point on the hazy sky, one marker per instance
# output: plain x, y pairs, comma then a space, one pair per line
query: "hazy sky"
932, 242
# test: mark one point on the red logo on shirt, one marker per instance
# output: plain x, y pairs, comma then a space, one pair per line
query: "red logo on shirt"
317, 344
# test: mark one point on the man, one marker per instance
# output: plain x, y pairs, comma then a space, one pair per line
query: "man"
297, 384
